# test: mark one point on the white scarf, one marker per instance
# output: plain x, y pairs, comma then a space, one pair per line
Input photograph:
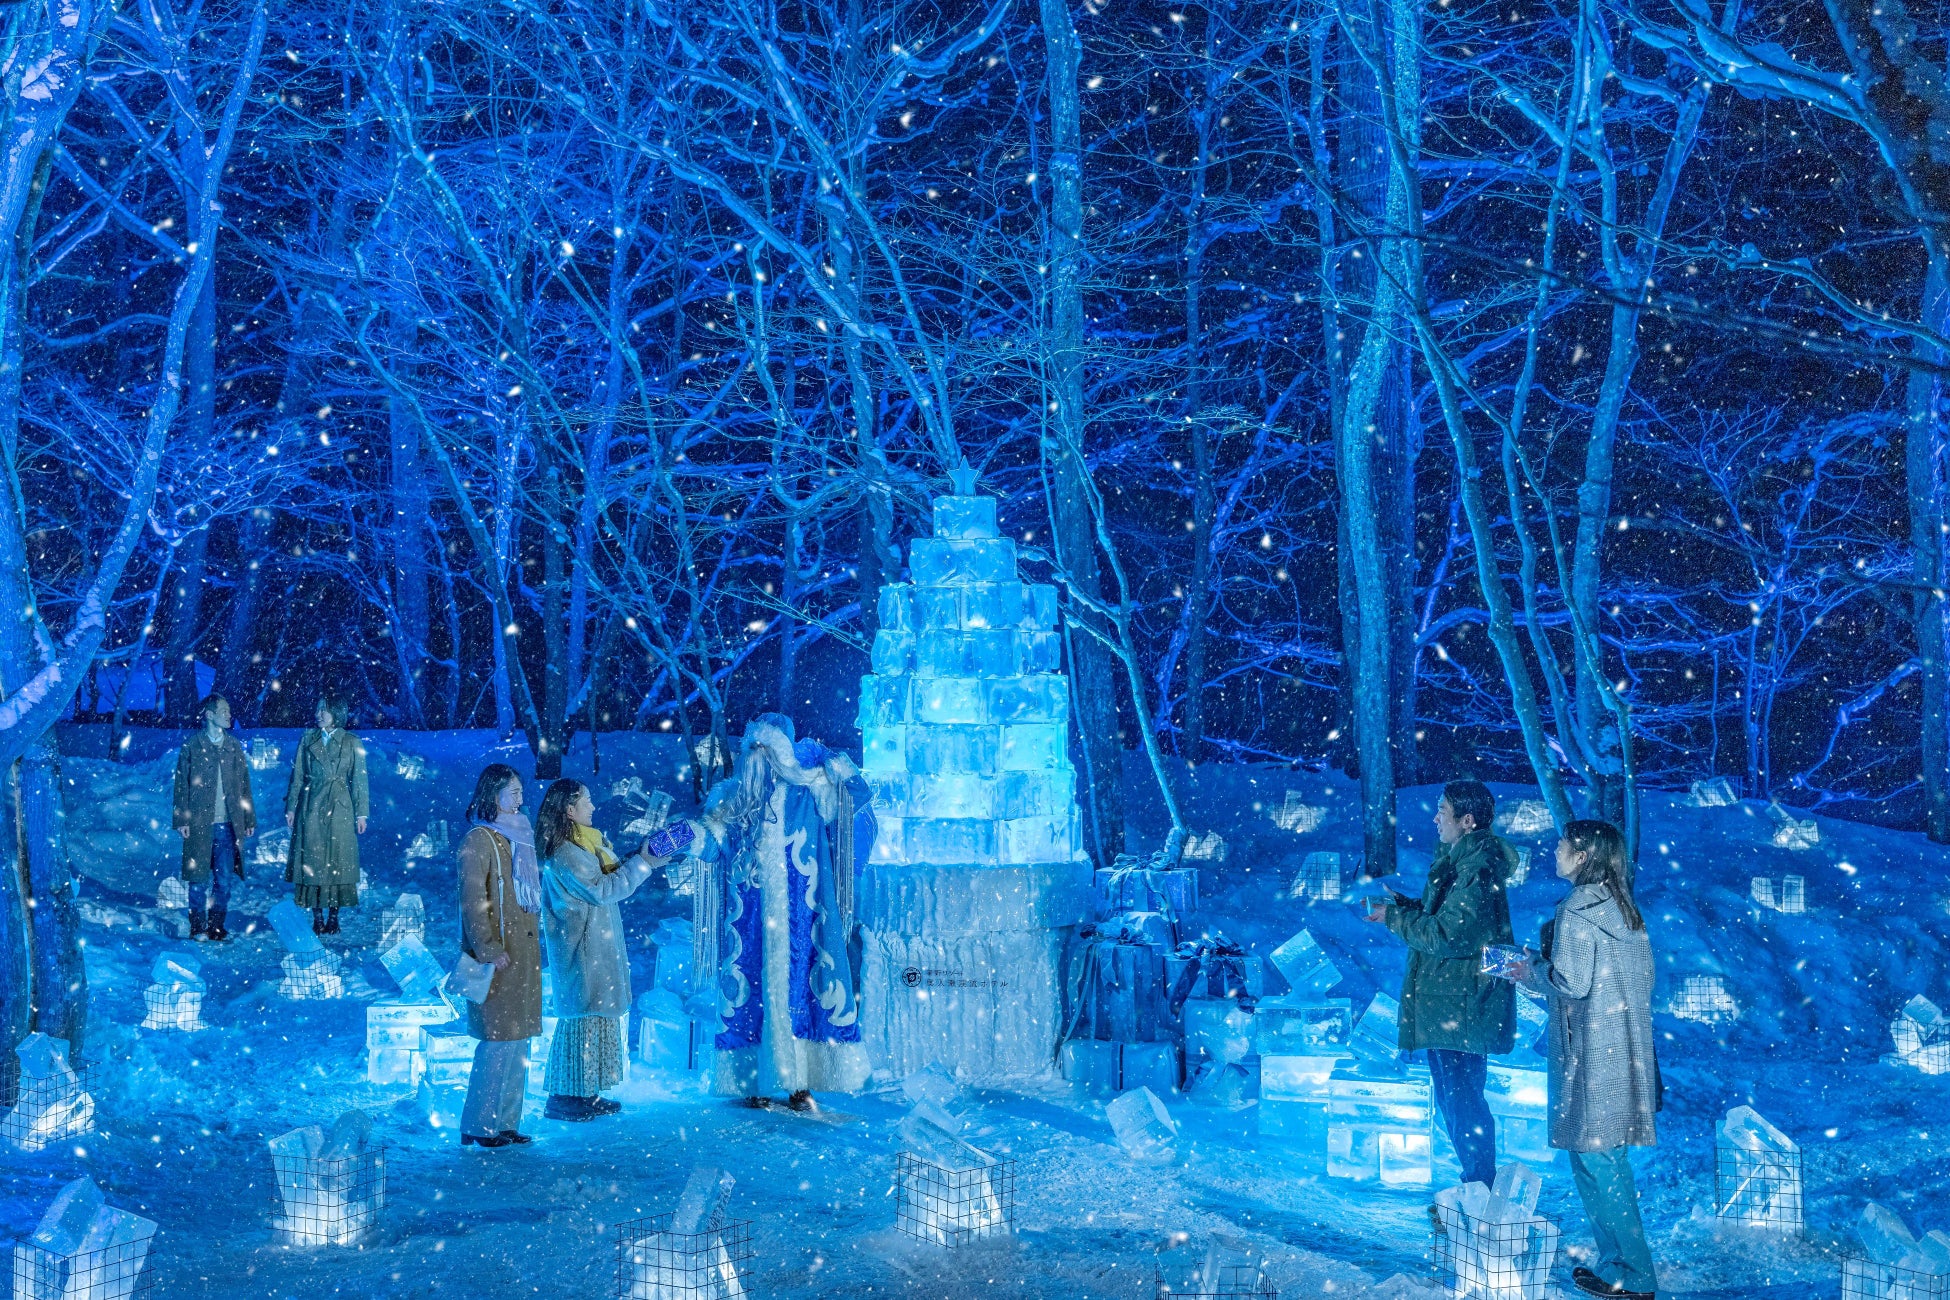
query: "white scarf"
528, 871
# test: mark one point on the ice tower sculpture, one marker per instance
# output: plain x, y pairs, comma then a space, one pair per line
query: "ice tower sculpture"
978, 869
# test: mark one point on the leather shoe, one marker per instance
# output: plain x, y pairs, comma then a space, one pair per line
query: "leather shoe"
575, 1110
519, 1139
604, 1106
1591, 1284
486, 1140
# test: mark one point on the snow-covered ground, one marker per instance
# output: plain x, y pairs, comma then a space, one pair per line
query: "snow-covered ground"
182, 1128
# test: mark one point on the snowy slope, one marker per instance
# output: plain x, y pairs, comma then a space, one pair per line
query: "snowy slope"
186, 1117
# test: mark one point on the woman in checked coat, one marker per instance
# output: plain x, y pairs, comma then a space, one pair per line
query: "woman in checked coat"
1596, 973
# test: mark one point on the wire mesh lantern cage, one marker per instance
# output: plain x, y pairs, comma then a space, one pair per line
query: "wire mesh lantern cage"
47, 1110
167, 1006
329, 1200
1864, 1279
113, 1272
655, 1263
1705, 1000
1493, 1259
953, 1207
1757, 1175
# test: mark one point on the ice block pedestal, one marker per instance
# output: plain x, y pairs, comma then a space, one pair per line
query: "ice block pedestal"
978, 871
84, 1249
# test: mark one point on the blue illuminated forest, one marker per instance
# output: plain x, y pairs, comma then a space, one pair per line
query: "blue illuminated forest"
1141, 507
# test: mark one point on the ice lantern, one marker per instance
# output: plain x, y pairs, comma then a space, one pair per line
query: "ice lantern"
978, 869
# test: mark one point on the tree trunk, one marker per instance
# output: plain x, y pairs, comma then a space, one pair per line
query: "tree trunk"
555, 649
407, 537
1092, 684
1197, 606
16, 938
507, 447
1923, 471
185, 609
235, 669
60, 977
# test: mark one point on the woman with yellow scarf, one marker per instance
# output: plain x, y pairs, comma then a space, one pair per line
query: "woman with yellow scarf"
582, 884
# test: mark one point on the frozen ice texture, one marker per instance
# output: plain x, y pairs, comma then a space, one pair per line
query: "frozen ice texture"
172, 892
1232, 1265
1295, 1078
311, 975
1150, 1065
1491, 1246
264, 755
52, 1104
1519, 1184
1791, 832
1521, 871
441, 1105
1307, 970
1144, 1127
933, 1084
1218, 1030
448, 1053
930, 1133
1295, 1026
1714, 793
1704, 998
42, 1057
1377, 1035
672, 943
1379, 1129
293, 924
417, 971
1525, 817
178, 968
961, 518
1093, 1064
1205, 848
1922, 1036
69, 1223
1884, 1236
701, 1205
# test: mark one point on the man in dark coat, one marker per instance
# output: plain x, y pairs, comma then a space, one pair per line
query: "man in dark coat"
214, 815
1449, 1006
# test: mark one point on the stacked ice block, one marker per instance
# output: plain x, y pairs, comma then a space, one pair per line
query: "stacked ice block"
332, 1183
406, 918
396, 1038
53, 1103
977, 864
949, 1192
1380, 1124
311, 970
1300, 1038
174, 998
1790, 896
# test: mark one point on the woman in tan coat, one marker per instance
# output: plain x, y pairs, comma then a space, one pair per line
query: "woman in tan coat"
326, 806
499, 926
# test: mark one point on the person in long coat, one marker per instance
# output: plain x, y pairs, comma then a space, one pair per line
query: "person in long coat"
582, 884
1596, 972
212, 810
1449, 1007
326, 806
500, 925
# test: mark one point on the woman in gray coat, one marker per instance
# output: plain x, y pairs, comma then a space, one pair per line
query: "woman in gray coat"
326, 806
1596, 972
582, 883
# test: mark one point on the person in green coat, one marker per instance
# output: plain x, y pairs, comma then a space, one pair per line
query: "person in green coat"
1450, 1008
326, 806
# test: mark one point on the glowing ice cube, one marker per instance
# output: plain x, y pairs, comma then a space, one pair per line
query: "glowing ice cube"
952, 700
1307, 970
293, 924
961, 517
1144, 1127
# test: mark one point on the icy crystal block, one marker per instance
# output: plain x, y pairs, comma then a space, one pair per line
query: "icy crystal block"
405, 919
410, 767
1297, 815
1790, 896
53, 1105
932, 1084
1293, 1026
1714, 793
293, 924
263, 755
1492, 1246
1307, 970
1922, 1036
1705, 999
1758, 1178
672, 942
1378, 1034
1217, 1029
172, 893
83, 1249
1525, 817
1791, 832
174, 1000
701, 1205
1380, 1129
311, 976
1144, 1128
416, 970
1319, 878
329, 1183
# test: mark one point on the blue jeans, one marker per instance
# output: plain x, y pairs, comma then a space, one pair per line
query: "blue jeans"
1611, 1202
1458, 1079
213, 895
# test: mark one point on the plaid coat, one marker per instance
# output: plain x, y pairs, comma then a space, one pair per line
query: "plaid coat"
1604, 1082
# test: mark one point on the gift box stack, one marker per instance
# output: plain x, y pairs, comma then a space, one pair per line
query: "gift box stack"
1121, 1031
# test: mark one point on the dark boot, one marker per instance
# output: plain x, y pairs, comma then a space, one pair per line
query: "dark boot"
318, 920
802, 1102
573, 1109
217, 931
604, 1106
199, 928
332, 921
